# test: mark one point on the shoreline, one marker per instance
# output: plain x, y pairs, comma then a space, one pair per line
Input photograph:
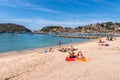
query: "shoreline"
20, 52
33, 65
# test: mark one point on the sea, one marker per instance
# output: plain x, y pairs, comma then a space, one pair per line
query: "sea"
16, 42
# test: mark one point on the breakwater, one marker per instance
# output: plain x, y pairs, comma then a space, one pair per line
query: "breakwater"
84, 37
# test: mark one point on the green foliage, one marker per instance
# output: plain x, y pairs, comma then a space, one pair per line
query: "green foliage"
79, 27
14, 28
98, 27
51, 28
117, 23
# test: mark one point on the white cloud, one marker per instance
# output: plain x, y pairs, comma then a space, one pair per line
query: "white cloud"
44, 21
26, 5
38, 23
36, 7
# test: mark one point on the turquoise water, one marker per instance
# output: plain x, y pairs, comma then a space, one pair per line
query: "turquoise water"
9, 42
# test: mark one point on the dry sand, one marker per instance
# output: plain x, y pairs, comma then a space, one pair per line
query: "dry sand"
103, 63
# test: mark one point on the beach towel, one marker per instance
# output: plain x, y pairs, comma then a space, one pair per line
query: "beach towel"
103, 44
67, 58
81, 59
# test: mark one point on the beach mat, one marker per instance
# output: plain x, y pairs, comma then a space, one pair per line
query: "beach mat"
69, 59
81, 59
75, 59
103, 44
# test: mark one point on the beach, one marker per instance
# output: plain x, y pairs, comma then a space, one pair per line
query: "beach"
102, 63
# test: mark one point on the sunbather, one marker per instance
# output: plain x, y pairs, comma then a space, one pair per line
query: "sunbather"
79, 55
50, 50
64, 49
72, 48
72, 54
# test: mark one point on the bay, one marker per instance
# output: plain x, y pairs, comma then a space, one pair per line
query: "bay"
11, 42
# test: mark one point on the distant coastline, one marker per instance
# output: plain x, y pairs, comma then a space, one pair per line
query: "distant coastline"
105, 27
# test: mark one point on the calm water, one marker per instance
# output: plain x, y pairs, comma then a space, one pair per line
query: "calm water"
10, 42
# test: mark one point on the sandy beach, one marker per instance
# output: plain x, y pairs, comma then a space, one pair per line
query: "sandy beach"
102, 63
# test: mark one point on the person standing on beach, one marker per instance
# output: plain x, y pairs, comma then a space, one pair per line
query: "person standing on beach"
59, 43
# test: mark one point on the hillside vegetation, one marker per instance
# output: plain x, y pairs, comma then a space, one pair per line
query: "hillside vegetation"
92, 28
13, 28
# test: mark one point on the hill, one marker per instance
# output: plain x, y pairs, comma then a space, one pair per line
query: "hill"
100, 27
13, 28
105, 27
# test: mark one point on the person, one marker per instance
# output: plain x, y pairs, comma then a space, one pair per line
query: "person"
79, 54
59, 43
72, 54
107, 38
51, 50
72, 48
62, 50
111, 38
100, 40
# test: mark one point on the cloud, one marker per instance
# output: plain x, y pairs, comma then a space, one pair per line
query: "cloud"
44, 21
73, 19
38, 23
26, 5
36, 7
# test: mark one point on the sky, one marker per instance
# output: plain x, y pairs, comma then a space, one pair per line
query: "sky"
36, 14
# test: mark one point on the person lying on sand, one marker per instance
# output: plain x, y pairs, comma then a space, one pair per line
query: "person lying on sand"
50, 50
72, 48
64, 49
72, 54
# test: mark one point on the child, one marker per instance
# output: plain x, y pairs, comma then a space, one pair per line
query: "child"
79, 55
